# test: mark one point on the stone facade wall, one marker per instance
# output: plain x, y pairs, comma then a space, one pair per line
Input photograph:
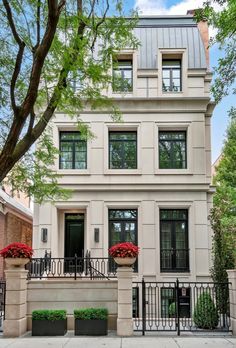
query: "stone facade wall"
70, 295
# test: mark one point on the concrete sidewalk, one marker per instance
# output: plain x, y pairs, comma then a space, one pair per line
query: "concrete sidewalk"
70, 341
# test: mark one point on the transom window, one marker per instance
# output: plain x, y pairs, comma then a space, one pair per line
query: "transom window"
172, 150
123, 76
174, 240
73, 151
171, 75
122, 150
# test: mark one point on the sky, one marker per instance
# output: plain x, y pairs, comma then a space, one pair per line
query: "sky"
180, 7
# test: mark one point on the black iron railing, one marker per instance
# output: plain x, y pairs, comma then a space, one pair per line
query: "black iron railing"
174, 260
181, 306
72, 267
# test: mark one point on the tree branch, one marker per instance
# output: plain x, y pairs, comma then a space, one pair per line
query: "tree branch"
15, 75
98, 25
11, 22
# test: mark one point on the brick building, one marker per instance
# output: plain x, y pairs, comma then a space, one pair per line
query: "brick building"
15, 222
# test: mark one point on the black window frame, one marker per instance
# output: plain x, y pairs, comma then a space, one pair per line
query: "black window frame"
172, 162
123, 221
173, 252
73, 141
123, 150
170, 69
116, 67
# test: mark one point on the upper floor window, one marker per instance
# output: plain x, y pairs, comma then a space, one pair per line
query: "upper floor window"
73, 151
123, 150
172, 150
123, 76
171, 75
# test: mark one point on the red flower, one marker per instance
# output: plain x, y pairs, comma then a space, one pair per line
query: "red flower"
17, 250
124, 250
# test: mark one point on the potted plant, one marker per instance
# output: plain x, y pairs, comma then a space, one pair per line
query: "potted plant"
47, 322
124, 254
17, 254
91, 321
172, 310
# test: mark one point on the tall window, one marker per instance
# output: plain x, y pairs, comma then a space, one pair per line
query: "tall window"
172, 150
122, 150
123, 228
171, 75
73, 151
123, 76
174, 240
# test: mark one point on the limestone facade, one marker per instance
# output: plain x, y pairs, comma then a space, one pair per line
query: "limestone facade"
148, 189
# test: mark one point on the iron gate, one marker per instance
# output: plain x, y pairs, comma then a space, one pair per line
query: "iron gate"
181, 306
2, 302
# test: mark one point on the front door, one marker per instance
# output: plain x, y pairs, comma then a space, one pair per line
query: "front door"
74, 235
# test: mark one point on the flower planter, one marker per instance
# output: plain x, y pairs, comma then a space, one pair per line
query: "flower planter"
49, 328
16, 261
91, 327
125, 261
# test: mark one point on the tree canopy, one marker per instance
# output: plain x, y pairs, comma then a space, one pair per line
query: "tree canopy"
45, 47
221, 15
223, 214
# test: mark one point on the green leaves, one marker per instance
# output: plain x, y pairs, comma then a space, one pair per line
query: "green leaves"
80, 55
221, 16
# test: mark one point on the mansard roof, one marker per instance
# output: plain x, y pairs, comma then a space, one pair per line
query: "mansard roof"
165, 32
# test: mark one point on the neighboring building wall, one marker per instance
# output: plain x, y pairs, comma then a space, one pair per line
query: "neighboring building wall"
70, 295
15, 224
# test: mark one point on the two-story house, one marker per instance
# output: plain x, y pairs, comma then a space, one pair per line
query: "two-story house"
146, 179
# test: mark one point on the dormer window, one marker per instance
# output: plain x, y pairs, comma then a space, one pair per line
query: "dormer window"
122, 75
171, 75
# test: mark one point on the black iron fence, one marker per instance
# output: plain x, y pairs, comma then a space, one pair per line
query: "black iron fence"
72, 267
181, 306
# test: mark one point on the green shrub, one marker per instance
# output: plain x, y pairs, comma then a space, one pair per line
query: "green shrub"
172, 310
205, 313
49, 314
91, 313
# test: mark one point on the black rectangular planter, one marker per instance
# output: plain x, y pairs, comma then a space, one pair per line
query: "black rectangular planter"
49, 328
96, 327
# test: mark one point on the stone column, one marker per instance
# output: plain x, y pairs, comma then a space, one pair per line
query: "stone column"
232, 298
15, 323
124, 319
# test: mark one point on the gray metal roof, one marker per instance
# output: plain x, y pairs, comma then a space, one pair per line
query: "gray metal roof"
169, 32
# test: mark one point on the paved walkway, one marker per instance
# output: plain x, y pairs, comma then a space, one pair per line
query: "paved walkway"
70, 341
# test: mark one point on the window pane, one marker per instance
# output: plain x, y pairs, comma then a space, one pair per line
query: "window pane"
66, 165
115, 233
66, 146
130, 232
80, 156
123, 135
122, 214
80, 146
176, 74
171, 63
70, 135
66, 156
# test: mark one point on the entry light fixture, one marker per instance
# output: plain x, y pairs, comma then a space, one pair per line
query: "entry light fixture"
96, 235
44, 235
